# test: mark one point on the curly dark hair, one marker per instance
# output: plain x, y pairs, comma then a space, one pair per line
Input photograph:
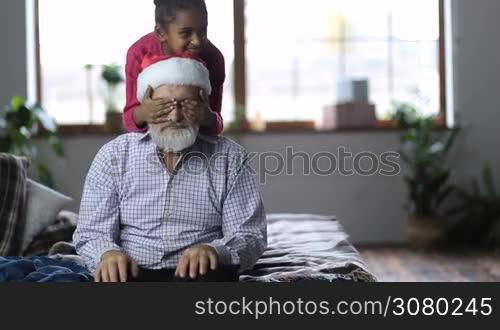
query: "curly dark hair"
166, 10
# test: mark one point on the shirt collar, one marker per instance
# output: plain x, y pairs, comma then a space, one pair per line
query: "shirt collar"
143, 137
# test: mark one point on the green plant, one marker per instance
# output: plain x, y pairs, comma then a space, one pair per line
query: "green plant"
113, 77
478, 213
405, 115
425, 152
19, 125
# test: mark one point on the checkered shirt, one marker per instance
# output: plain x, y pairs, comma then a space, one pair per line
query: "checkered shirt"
132, 203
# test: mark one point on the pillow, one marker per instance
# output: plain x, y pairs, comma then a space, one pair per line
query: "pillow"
43, 206
60, 231
13, 174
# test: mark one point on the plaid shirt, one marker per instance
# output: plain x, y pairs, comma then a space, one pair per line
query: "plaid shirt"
132, 203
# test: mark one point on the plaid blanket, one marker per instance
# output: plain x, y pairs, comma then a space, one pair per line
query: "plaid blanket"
13, 174
308, 247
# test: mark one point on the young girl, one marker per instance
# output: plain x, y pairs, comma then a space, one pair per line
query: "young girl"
181, 25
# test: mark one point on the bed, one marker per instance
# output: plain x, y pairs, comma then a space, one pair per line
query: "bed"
301, 247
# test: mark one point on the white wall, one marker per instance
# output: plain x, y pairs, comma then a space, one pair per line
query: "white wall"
13, 53
369, 207
477, 84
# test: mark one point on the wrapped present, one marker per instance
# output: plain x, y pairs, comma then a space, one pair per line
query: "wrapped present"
349, 115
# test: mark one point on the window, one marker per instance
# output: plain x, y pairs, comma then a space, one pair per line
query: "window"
74, 34
287, 65
298, 51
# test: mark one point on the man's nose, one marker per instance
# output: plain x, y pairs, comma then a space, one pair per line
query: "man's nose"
176, 115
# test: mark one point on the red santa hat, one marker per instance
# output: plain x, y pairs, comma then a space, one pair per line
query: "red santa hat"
185, 69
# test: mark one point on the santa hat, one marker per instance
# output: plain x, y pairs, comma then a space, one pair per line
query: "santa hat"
179, 69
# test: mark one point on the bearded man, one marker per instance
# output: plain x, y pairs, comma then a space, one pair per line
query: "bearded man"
171, 204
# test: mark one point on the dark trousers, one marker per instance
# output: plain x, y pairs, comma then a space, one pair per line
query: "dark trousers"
221, 274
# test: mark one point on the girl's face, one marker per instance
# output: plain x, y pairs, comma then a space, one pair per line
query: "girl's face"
188, 32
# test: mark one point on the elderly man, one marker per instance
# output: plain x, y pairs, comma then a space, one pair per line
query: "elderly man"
171, 204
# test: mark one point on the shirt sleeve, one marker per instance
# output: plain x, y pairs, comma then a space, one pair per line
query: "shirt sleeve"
132, 70
97, 229
244, 225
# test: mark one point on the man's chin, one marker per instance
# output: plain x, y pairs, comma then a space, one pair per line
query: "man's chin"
174, 139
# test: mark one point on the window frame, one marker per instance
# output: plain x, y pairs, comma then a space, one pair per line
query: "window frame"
240, 74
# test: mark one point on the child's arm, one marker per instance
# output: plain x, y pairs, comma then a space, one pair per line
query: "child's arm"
132, 69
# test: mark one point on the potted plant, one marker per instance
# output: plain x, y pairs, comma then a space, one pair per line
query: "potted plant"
478, 214
424, 151
113, 77
19, 125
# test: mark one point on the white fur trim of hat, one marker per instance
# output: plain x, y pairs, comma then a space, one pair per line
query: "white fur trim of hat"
174, 71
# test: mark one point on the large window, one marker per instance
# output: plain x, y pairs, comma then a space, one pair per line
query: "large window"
295, 53
298, 51
74, 34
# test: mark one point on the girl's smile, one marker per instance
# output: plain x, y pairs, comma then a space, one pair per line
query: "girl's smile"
187, 32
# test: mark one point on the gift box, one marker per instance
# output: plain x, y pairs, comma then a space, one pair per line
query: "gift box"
349, 91
349, 115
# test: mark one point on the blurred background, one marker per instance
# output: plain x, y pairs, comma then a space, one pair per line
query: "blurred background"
296, 54
416, 77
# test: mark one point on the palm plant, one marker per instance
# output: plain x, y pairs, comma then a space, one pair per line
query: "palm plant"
478, 213
425, 152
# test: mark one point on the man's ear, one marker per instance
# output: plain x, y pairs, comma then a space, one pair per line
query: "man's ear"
204, 96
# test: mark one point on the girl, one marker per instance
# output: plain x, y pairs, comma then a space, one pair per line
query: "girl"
181, 25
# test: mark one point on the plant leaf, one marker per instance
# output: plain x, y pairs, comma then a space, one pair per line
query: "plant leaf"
444, 194
488, 180
44, 174
16, 103
43, 117
55, 142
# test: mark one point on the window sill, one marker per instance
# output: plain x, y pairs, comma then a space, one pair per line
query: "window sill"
104, 130
72, 130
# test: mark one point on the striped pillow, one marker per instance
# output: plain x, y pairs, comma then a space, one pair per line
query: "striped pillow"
13, 175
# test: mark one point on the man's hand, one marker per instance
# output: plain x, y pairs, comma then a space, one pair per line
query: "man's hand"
196, 260
115, 266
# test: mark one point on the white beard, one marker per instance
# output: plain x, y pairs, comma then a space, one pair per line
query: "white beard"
173, 139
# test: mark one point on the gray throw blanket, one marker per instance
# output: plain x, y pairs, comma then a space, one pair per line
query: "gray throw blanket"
306, 247
13, 173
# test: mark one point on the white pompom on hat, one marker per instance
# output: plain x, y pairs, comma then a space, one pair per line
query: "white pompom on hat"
185, 69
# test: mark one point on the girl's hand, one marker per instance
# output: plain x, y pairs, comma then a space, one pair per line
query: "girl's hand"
199, 112
153, 111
